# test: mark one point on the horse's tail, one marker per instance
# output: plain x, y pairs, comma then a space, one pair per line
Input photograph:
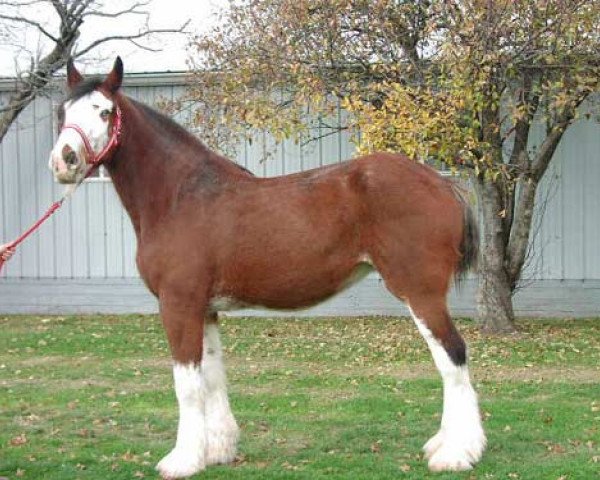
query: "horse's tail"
469, 244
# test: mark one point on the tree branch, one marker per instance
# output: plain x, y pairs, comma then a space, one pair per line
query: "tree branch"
518, 241
528, 102
131, 10
316, 138
546, 151
20, 3
29, 22
143, 34
60, 9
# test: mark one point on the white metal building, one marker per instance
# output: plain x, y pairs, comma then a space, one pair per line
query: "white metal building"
82, 260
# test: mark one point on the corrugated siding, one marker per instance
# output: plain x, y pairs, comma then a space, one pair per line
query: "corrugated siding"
91, 236
566, 229
547, 298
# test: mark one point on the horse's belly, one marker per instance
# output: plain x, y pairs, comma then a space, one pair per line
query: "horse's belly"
292, 293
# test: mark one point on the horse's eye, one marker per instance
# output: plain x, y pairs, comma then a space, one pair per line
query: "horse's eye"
104, 114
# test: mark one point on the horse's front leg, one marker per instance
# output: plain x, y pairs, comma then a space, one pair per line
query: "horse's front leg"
221, 428
183, 319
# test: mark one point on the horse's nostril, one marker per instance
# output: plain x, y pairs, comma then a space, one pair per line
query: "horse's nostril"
69, 156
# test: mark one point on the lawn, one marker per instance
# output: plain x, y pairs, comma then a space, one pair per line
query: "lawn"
338, 398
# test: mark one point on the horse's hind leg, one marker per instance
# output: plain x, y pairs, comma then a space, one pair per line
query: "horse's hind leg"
460, 441
221, 429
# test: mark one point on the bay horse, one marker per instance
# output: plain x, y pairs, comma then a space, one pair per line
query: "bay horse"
213, 237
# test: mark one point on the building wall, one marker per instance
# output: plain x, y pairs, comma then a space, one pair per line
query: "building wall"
90, 240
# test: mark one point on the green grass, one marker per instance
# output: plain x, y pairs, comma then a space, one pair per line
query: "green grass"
91, 398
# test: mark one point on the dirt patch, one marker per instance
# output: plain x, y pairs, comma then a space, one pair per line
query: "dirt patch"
239, 367
539, 373
417, 371
44, 360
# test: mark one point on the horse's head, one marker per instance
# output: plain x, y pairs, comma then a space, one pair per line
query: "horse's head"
86, 120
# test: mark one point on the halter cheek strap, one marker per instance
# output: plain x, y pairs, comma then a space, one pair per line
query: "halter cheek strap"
91, 157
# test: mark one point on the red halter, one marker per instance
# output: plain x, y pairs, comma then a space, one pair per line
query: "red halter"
93, 159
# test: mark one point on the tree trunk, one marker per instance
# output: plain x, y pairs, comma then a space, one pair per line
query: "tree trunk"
494, 296
16, 105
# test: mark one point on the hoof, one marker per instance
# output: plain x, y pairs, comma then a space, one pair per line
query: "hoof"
448, 453
449, 460
221, 446
180, 464
433, 444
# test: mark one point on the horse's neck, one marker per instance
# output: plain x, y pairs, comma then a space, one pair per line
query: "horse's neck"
152, 165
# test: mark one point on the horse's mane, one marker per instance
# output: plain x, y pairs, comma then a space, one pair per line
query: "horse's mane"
165, 123
168, 125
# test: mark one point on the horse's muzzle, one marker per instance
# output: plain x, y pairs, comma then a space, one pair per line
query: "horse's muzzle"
66, 166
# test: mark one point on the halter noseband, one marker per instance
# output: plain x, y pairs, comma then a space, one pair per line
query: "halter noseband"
93, 159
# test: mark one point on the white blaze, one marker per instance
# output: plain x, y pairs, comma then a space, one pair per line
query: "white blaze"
86, 113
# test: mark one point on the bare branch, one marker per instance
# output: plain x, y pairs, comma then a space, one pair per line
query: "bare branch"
144, 47
78, 8
331, 131
131, 10
129, 38
60, 9
6, 3
29, 22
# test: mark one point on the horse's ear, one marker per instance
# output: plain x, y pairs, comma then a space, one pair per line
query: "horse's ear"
73, 75
115, 77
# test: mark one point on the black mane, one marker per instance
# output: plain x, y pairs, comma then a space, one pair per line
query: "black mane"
83, 88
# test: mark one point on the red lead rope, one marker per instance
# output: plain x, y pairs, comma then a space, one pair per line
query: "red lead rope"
53, 208
93, 159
